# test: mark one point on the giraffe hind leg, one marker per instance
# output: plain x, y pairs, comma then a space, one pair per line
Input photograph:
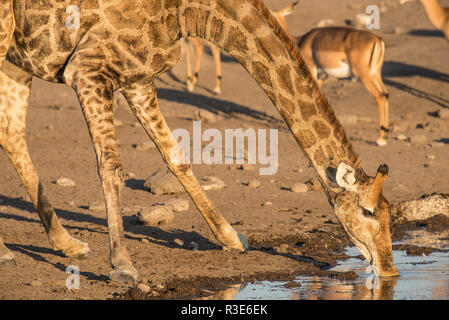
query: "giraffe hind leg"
15, 87
144, 104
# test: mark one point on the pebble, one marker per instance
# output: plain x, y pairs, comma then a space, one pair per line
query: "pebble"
178, 205
267, 204
179, 242
163, 182
205, 116
97, 206
348, 119
118, 123
216, 184
145, 240
36, 283
325, 23
143, 287
401, 137
419, 138
443, 113
156, 215
399, 30
194, 246
300, 188
254, 184
65, 182
430, 157
144, 146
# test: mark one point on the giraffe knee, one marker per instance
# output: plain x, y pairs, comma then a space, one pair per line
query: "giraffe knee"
113, 172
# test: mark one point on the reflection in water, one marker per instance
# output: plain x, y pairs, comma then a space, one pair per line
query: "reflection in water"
421, 277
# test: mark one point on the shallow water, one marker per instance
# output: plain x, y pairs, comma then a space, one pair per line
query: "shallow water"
421, 278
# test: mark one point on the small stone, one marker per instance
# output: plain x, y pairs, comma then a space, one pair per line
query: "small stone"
36, 283
443, 113
163, 182
65, 182
145, 240
267, 204
314, 184
283, 248
436, 144
118, 123
194, 246
130, 175
178, 205
348, 120
402, 137
246, 166
179, 242
254, 184
300, 188
430, 157
156, 215
144, 146
205, 116
324, 23
216, 184
143, 287
97, 206
399, 30
419, 138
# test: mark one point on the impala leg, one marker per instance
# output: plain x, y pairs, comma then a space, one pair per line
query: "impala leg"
143, 102
217, 60
376, 87
198, 46
186, 45
14, 95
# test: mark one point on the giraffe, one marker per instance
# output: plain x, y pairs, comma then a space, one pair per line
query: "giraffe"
124, 45
7, 25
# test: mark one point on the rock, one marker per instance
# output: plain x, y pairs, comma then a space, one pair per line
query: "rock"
399, 30
421, 209
314, 184
349, 120
216, 184
163, 182
97, 206
419, 138
143, 287
118, 123
443, 113
144, 146
300, 187
436, 144
179, 242
65, 182
267, 204
361, 20
36, 283
178, 205
430, 157
254, 184
205, 116
156, 215
402, 137
324, 23
194, 246
145, 240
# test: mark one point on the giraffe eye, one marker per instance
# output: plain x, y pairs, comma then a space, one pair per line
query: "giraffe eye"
368, 213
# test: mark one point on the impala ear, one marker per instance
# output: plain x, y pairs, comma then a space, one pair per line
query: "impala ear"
344, 176
288, 9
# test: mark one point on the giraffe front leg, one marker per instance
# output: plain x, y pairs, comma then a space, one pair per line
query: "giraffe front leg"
143, 102
14, 95
96, 96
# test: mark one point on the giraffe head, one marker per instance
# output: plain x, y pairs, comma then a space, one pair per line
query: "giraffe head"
365, 214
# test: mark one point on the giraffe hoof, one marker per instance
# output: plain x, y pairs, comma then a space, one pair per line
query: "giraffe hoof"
126, 275
241, 245
381, 142
77, 249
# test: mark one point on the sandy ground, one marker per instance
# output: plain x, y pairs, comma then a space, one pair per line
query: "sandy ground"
416, 72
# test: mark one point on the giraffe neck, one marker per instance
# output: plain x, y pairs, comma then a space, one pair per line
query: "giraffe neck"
246, 30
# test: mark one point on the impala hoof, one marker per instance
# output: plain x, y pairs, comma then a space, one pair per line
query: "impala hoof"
381, 142
126, 275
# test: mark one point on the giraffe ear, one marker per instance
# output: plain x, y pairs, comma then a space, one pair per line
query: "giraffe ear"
344, 176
